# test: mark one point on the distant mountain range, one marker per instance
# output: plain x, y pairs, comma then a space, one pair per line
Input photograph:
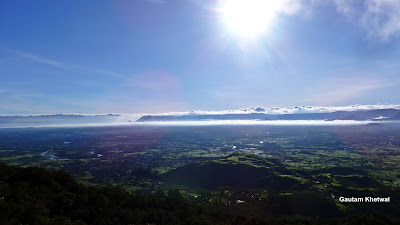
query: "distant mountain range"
372, 115
253, 115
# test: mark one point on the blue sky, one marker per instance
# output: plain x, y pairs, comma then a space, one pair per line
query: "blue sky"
150, 56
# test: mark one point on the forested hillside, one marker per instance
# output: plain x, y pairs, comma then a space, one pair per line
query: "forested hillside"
38, 196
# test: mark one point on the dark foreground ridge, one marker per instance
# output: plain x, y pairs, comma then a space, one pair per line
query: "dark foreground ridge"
38, 196
237, 170
373, 115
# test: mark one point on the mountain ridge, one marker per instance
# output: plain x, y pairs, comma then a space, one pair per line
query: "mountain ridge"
373, 115
239, 170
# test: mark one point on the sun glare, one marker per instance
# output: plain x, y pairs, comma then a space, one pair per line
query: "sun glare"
248, 18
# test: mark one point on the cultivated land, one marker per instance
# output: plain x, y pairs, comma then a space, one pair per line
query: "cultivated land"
257, 170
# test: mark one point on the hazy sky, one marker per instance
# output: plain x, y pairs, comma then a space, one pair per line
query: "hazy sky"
135, 56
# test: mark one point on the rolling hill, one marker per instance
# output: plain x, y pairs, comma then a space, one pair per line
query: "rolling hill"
237, 170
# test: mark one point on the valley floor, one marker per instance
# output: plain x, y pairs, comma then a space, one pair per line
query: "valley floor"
257, 171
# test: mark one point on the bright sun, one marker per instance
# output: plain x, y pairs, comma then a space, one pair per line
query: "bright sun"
248, 18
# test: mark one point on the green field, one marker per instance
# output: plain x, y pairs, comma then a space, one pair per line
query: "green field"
260, 170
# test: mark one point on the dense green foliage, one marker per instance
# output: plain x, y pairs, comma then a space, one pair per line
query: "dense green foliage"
237, 170
265, 185
199, 175
37, 196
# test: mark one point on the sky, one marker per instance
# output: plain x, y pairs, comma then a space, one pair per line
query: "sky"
155, 56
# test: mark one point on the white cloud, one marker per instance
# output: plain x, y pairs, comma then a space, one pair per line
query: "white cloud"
380, 18
291, 6
60, 65
36, 58
267, 110
284, 110
257, 122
